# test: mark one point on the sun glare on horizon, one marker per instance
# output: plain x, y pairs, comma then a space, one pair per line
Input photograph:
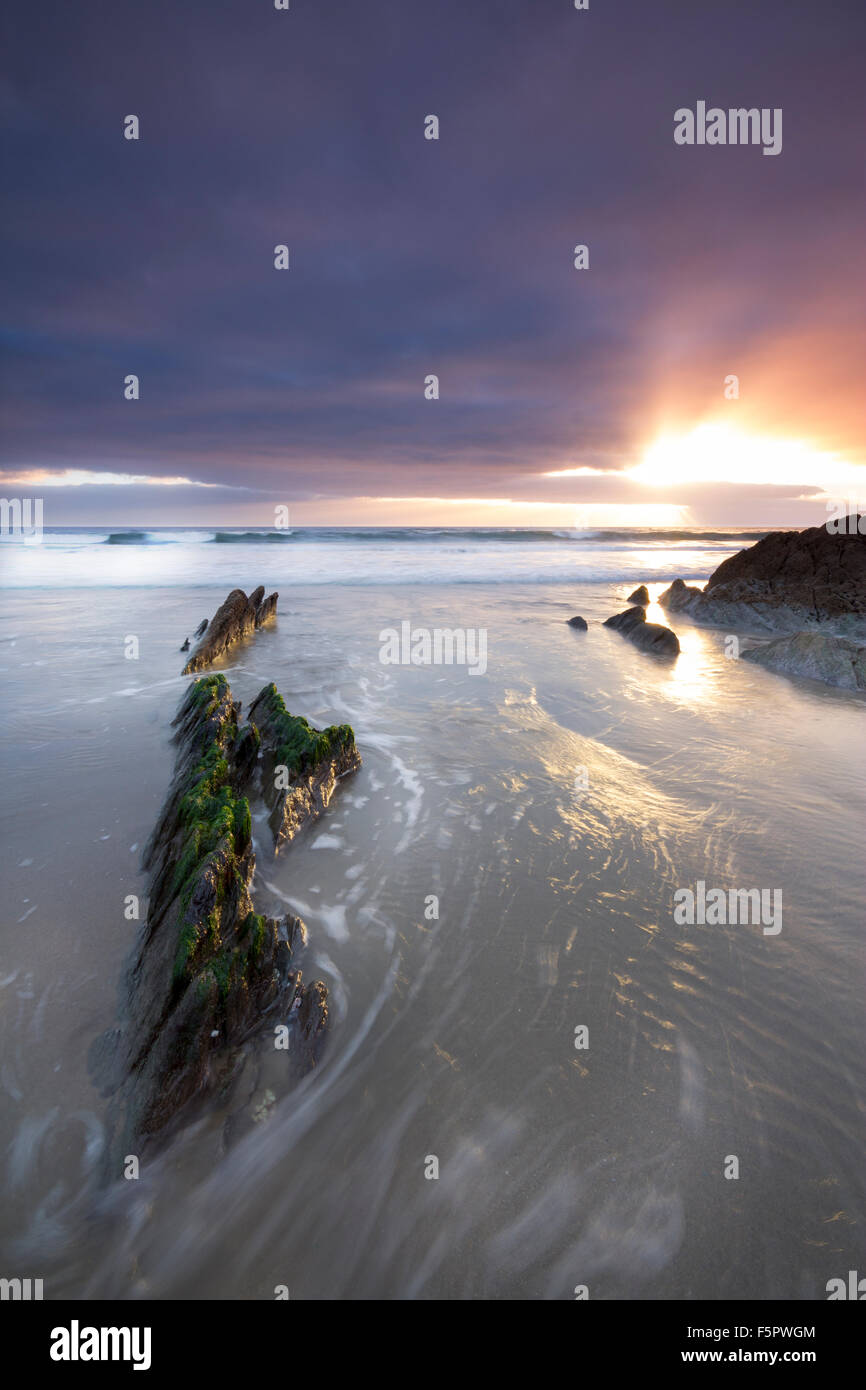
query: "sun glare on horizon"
717, 453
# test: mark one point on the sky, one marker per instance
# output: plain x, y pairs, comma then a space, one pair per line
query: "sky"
566, 396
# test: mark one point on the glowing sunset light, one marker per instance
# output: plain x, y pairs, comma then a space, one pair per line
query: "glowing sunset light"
505, 511
718, 454
83, 477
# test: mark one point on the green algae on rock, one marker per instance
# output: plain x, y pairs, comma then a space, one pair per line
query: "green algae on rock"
208, 970
300, 765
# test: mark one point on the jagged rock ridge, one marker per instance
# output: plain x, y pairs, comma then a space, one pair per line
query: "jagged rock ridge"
208, 971
300, 765
233, 620
789, 581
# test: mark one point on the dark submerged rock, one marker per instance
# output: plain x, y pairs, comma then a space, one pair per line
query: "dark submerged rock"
650, 637
578, 622
640, 595
235, 619
817, 656
202, 627
314, 761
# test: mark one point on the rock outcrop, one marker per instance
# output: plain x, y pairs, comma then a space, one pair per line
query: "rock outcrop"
681, 597
300, 765
650, 637
640, 596
815, 656
789, 581
235, 619
578, 622
207, 970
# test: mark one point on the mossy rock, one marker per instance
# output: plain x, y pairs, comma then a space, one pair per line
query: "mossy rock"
292, 741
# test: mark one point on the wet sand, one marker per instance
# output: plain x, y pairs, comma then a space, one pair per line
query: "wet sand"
454, 1037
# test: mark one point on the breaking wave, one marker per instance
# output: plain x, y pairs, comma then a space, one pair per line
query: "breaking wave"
637, 536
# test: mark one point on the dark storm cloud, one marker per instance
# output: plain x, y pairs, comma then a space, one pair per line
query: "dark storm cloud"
409, 256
